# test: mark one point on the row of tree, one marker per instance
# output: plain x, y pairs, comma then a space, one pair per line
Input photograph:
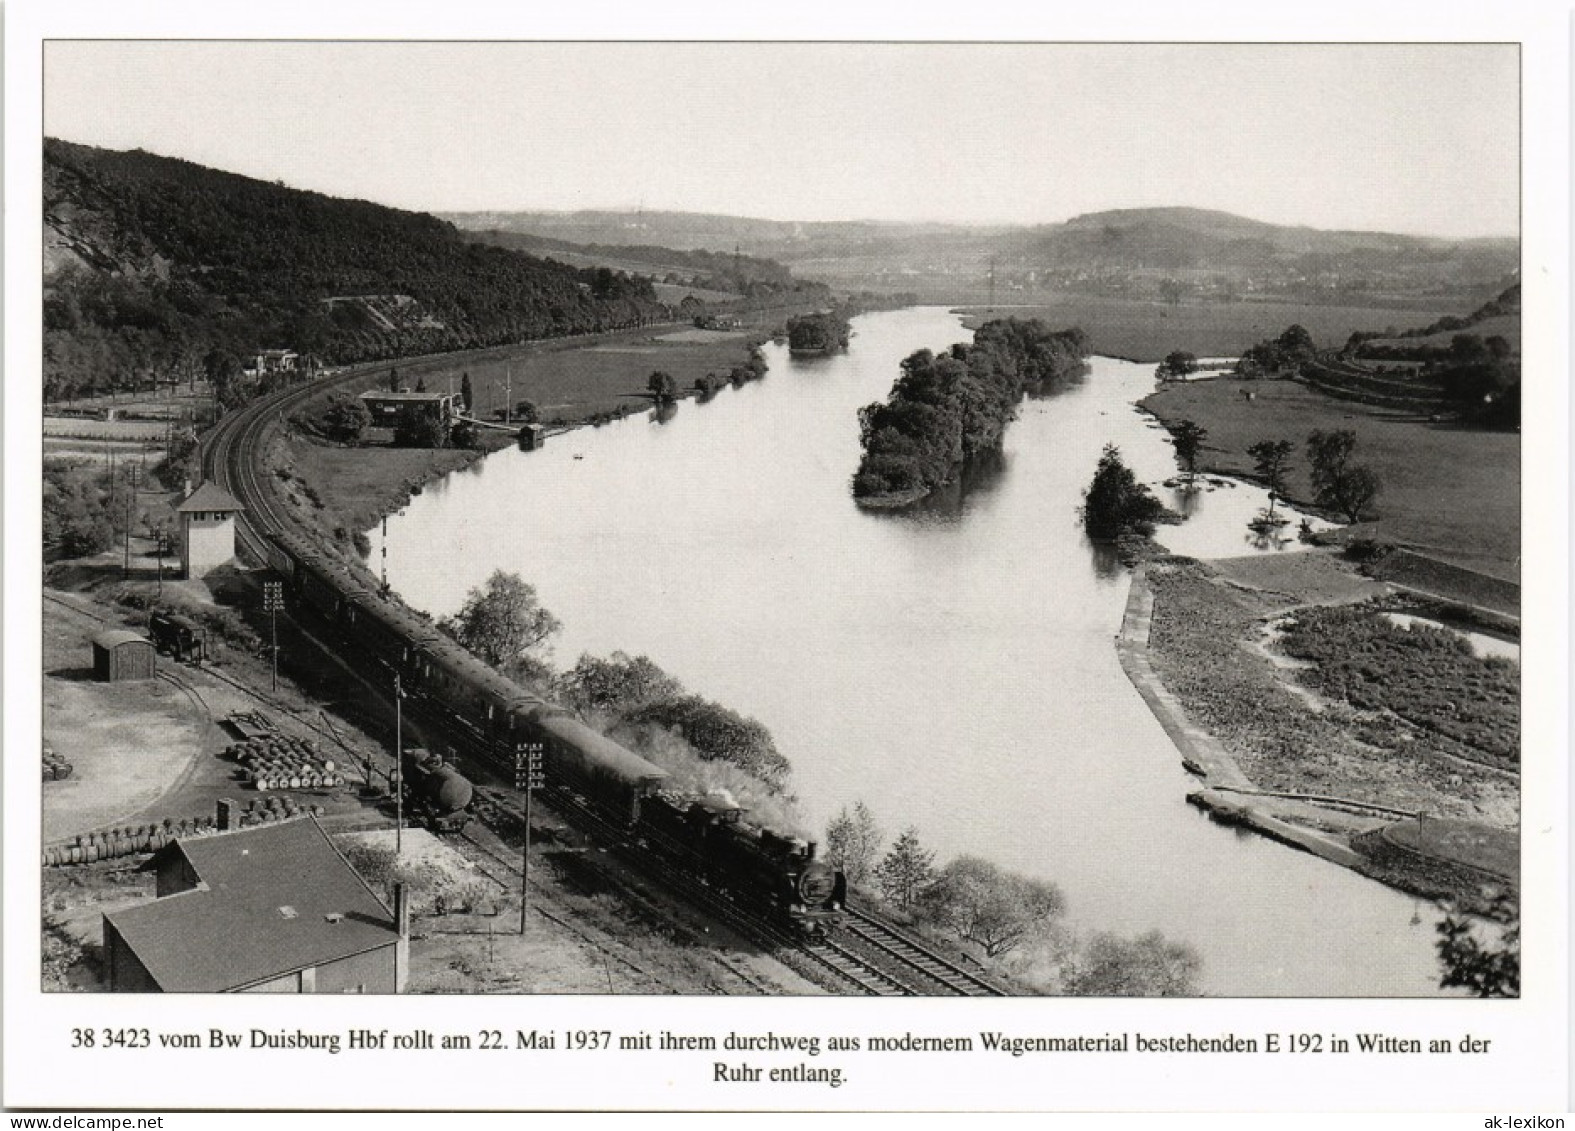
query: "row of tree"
503, 623
1001, 913
945, 410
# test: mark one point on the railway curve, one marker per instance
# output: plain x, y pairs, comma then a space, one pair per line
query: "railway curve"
868, 954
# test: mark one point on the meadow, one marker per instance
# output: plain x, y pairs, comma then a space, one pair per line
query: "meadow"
1449, 490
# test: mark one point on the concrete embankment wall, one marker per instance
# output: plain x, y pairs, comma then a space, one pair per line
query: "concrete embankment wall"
1200, 752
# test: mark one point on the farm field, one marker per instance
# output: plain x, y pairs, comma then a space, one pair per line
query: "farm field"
1451, 491
1147, 331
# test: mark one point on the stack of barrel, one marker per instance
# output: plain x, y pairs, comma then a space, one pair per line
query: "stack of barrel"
105, 845
279, 762
277, 809
56, 768
130, 840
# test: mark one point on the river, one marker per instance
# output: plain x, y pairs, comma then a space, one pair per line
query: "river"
952, 666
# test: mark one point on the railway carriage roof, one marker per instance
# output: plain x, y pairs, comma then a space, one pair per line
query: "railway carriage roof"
603, 750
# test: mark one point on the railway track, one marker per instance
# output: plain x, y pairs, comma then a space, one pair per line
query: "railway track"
870, 957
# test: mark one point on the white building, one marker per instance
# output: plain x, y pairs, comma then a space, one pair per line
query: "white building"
207, 530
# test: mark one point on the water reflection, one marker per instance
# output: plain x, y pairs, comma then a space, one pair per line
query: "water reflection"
952, 667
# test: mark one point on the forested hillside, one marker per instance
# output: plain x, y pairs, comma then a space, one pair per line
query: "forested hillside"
153, 264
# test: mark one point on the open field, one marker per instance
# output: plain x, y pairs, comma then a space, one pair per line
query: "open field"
1206, 645
1147, 331
1452, 491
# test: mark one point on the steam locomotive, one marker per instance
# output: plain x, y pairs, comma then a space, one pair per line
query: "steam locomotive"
778, 875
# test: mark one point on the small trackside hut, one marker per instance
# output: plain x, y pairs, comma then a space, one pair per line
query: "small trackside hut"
119, 656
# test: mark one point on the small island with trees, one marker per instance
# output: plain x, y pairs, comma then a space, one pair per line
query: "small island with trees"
945, 411
823, 332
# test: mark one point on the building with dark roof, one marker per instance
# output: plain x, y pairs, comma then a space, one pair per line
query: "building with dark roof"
271, 909
388, 409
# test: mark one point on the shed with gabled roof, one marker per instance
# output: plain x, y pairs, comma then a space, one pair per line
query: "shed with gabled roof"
271, 909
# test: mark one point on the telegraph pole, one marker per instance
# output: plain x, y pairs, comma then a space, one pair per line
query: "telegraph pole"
133, 475
508, 394
385, 553
399, 767
273, 601
527, 776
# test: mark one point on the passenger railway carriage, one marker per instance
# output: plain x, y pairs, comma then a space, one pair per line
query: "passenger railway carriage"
772, 873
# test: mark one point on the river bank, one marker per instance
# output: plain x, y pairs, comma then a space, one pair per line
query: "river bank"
1273, 756
345, 490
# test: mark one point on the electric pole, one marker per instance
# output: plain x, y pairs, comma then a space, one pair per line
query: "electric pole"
132, 475
527, 776
273, 601
399, 767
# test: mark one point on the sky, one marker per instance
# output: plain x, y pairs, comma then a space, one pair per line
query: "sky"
1418, 139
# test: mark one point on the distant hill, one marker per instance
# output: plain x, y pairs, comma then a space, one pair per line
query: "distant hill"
1158, 252
152, 263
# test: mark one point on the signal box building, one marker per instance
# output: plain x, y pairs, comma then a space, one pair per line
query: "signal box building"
119, 655
207, 530
269, 909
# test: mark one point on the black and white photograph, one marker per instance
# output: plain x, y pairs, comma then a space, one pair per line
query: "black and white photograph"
552, 536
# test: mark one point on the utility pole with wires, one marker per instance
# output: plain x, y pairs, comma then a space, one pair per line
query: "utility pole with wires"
527, 776
132, 474
399, 766
273, 601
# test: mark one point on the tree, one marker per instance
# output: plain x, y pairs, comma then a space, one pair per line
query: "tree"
906, 871
1272, 458
393, 379
346, 419
1148, 966
1337, 483
721, 734
852, 842
1188, 438
1171, 291
501, 620
223, 370
989, 906
416, 429
1487, 969
617, 682
421, 384
467, 395
1177, 364
663, 388
1115, 503
77, 516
